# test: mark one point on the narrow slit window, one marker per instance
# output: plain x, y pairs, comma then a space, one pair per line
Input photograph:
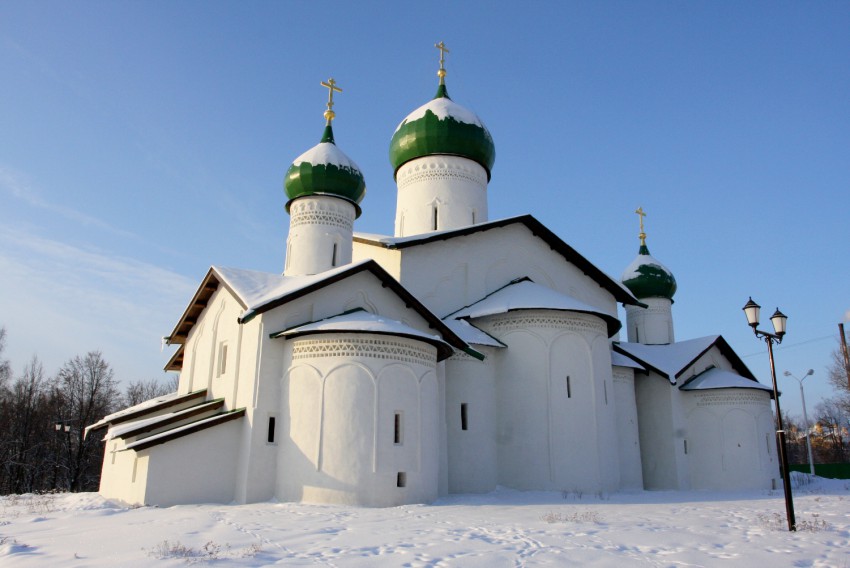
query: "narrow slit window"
270, 433
333, 256
464, 416
435, 217
569, 388
686, 447
605, 389
397, 429
473, 216
222, 359
637, 335
401, 479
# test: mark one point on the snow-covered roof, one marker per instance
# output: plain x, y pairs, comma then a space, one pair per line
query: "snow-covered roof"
715, 378
258, 292
185, 430
146, 407
255, 289
671, 360
361, 321
471, 334
119, 430
523, 294
538, 229
620, 360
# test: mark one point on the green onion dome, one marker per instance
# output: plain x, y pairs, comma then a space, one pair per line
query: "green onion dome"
442, 126
325, 170
646, 277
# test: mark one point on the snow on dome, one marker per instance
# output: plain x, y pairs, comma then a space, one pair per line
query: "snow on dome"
524, 294
324, 169
442, 127
326, 153
647, 277
443, 108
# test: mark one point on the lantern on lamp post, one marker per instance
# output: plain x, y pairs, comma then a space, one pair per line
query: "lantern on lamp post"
779, 321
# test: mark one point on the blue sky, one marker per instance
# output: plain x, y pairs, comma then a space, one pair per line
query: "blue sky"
141, 142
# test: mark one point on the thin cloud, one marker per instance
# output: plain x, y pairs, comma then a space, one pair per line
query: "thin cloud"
18, 186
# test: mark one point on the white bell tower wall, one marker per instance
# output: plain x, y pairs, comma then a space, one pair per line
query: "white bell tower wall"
439, 193
652, 325
321, 231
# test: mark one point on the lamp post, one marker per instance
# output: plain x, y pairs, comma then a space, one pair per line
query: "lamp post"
778, 319
805, 416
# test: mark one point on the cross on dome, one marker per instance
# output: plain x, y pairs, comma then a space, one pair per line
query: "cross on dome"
443, 51
642, 234
331, 86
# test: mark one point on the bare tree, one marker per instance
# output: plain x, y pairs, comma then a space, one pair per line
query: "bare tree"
142, 390
833, 420
5, 366
87, 391
26, 445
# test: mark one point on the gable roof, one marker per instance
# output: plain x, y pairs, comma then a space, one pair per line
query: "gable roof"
538, 229
715, 378
525, 294
672, 359
258, 292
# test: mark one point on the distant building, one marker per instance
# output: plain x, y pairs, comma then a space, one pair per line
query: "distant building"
458, 355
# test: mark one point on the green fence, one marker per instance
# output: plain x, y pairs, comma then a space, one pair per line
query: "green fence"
830, 470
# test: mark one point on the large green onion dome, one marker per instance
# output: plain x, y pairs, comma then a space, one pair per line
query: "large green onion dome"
646, 277
442, 126
325, 170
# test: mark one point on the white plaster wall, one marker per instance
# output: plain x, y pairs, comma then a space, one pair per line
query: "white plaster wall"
652, 325
550, 435
389, 259
448, 275
200, 468
339, 401
472, 453
661, 437
731, 445
318, 226
449, 191
628, 437
116, 478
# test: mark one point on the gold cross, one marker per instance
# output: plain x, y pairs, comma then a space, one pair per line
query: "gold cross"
331, 85
443, 51
641, 215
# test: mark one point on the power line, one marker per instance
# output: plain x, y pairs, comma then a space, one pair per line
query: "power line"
789, 346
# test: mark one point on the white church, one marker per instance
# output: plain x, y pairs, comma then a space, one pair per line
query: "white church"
457, 355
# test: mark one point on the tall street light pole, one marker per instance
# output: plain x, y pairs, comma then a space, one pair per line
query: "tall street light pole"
805, 416
778, 319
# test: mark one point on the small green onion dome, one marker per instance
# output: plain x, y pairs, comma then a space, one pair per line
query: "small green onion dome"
325, 170
442, 126
646, 277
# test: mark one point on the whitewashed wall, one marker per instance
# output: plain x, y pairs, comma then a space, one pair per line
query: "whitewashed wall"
652, 325
340, 398
731, 439
472, 452
447, 191
628, 437
554, 434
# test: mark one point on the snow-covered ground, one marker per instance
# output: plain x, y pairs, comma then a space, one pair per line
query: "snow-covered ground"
504, 528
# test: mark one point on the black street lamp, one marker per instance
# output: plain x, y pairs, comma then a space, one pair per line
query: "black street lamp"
778, 319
